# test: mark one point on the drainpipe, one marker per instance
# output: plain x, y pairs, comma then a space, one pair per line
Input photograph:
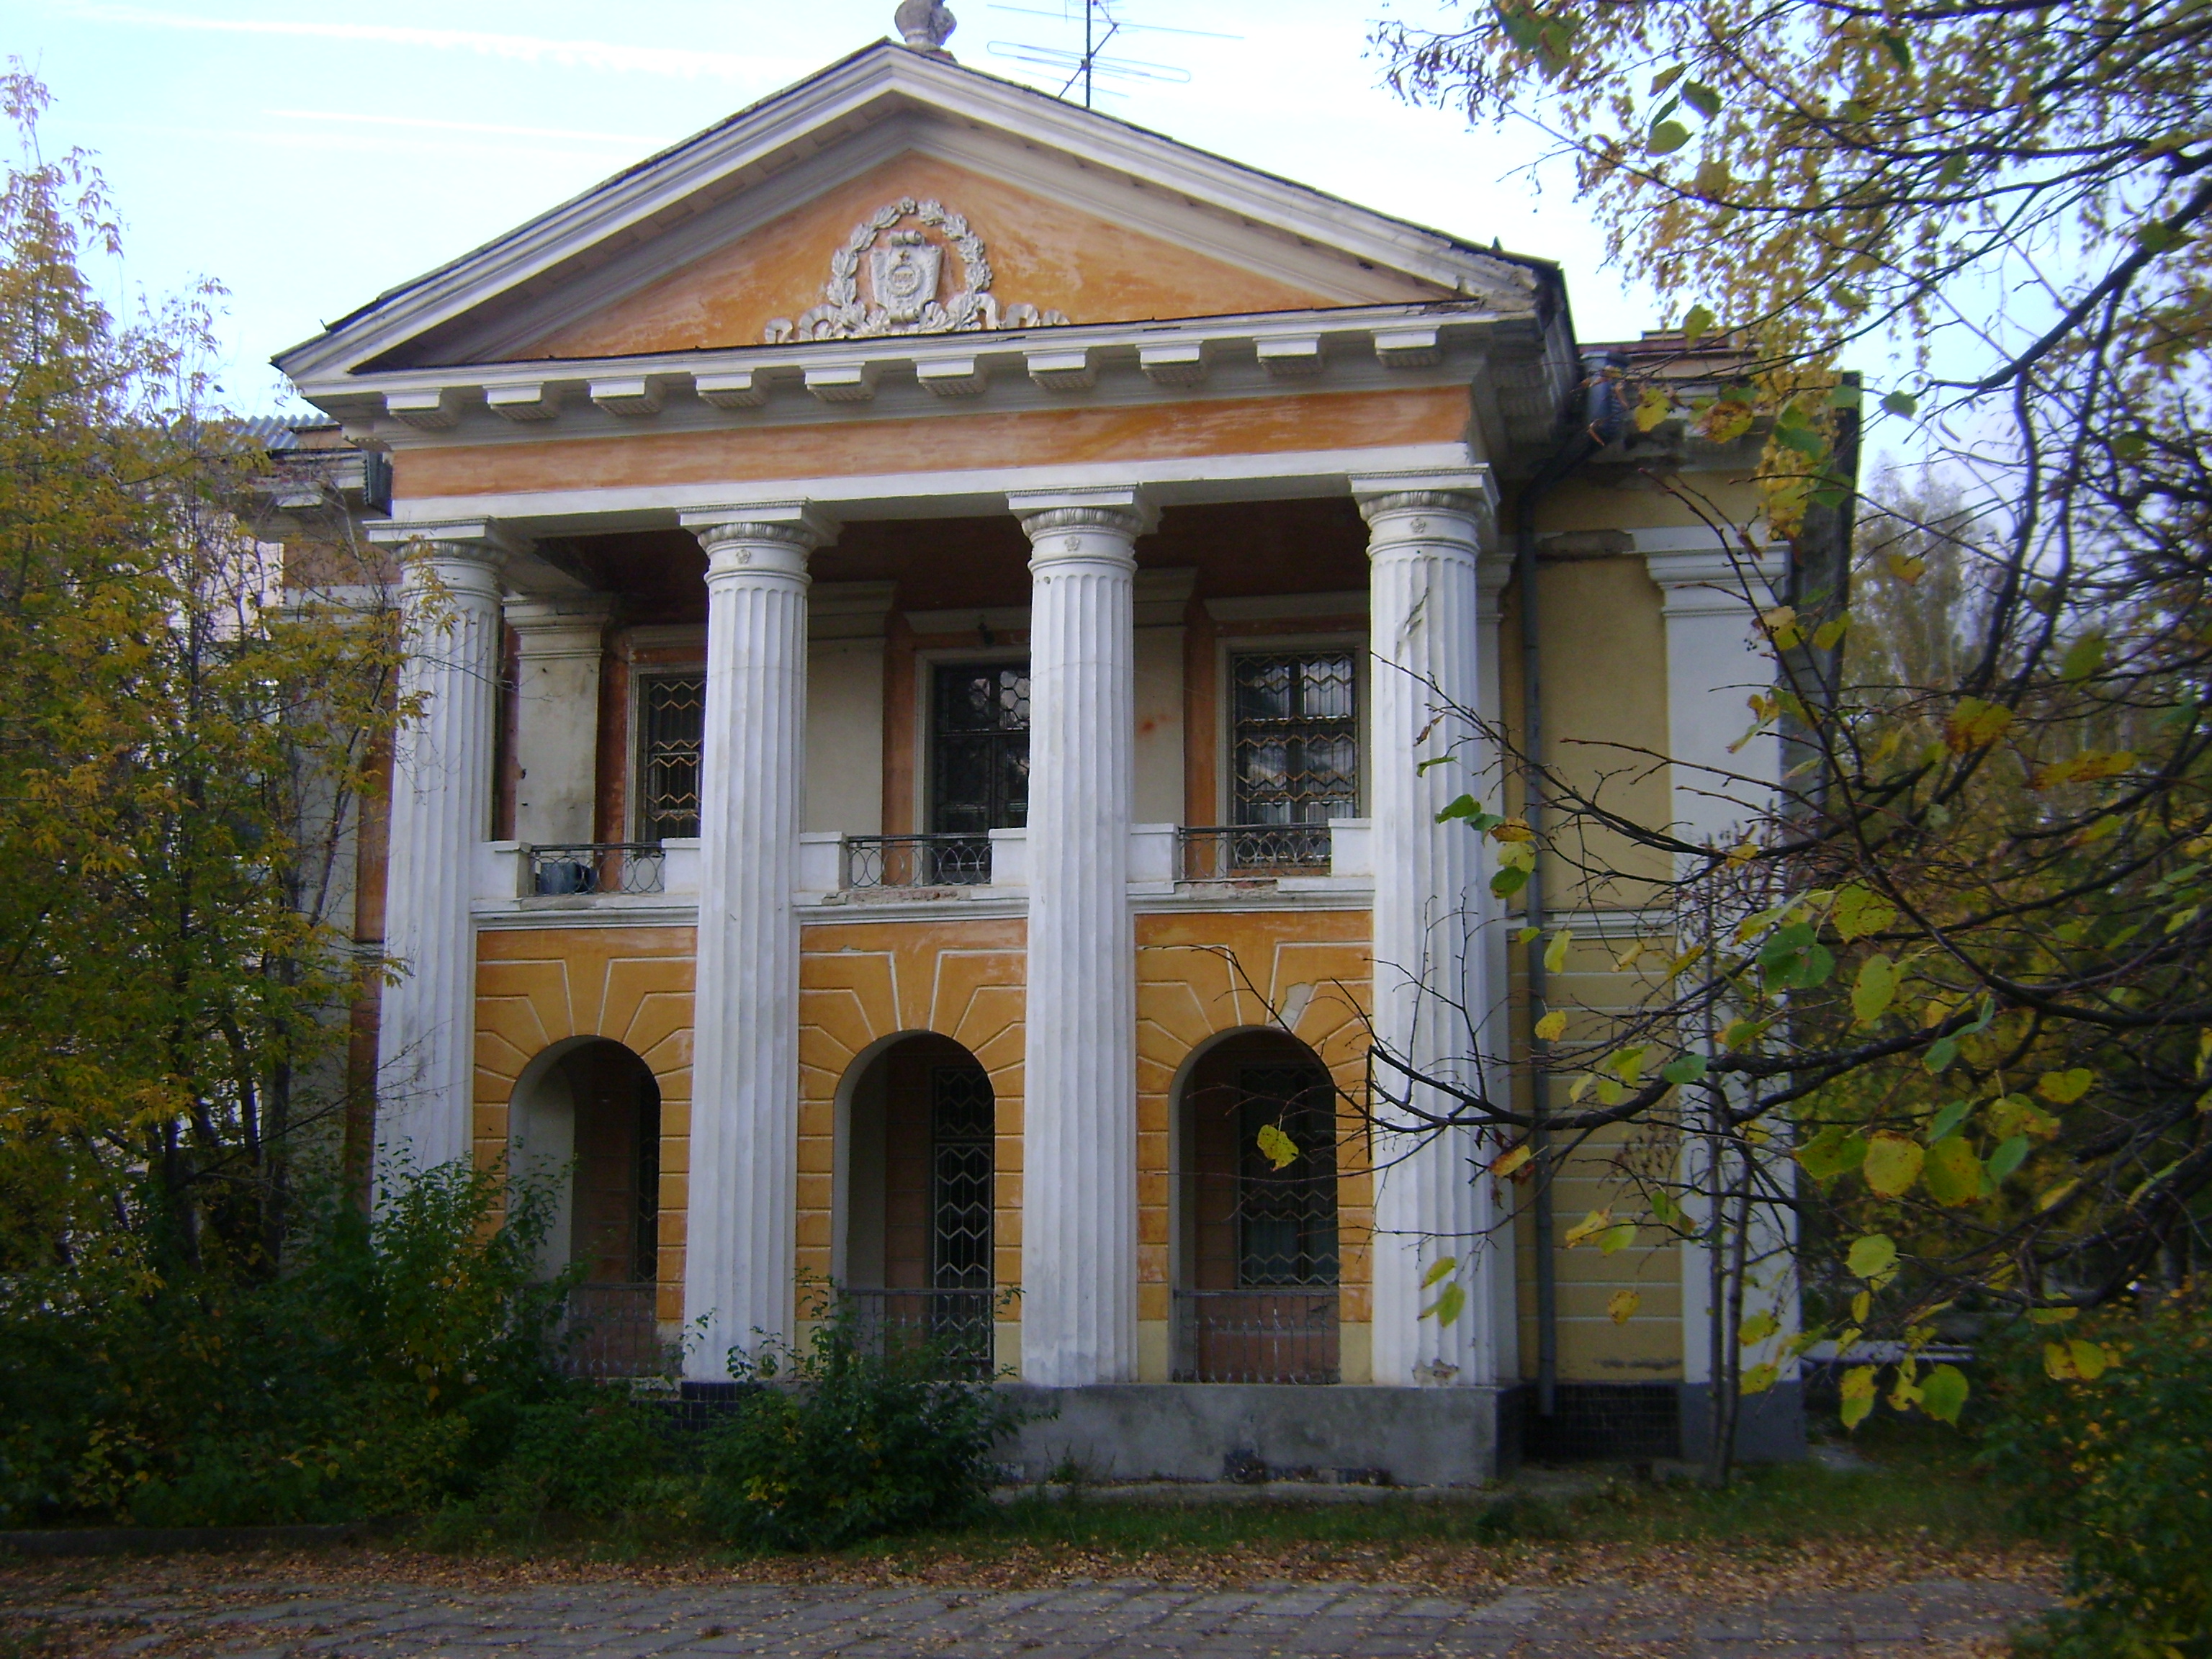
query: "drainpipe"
1599, 424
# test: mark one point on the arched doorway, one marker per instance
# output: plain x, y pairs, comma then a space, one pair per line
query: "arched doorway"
1255, 1297
920, 1124
586, 1123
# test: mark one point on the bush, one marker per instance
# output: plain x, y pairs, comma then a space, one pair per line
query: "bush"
391, 1366
852, 1443
2121, 1464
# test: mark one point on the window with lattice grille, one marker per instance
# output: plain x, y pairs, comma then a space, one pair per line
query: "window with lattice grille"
1287, 1216
671, 720
1295, 743
961, 1127
979, 747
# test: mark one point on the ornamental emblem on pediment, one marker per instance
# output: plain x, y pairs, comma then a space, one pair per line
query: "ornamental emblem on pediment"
890, 277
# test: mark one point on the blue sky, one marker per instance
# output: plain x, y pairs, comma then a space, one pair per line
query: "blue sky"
308, 156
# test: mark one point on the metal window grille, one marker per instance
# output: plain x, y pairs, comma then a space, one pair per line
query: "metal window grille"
612, 1330
673, 717
960, 1325
980, 748
917, 860
598, 866
1286, 1217
1295, 746
1628, 1422
1256, 1336
645, 1174
961, 1132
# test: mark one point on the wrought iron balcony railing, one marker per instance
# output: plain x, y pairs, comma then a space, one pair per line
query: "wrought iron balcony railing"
1230, 851
958, 1324
1285, 1334
941, 860
612, 1330
597, 867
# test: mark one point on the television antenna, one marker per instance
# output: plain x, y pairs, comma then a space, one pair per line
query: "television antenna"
1084, 68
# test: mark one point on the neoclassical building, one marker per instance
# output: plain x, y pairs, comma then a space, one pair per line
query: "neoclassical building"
932, 606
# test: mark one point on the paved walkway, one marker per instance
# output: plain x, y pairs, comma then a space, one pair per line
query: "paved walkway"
1122, 1619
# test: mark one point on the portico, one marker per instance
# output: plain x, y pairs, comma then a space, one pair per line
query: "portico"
940, 628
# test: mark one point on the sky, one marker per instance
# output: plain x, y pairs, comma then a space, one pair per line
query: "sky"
308, 157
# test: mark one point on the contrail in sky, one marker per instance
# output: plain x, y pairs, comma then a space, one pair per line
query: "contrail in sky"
685, 62
427, 124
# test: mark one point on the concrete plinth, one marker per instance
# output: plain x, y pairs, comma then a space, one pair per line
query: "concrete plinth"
1257, 1432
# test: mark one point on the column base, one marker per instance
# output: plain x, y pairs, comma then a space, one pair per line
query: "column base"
1255, 1432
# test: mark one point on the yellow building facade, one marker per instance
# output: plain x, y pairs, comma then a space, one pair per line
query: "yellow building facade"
944, 624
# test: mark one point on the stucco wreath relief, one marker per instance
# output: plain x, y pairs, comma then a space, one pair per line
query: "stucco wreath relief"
904, 272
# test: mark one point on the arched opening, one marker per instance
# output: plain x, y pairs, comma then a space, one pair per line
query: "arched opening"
1255, 1297
919, 1165
586, 1122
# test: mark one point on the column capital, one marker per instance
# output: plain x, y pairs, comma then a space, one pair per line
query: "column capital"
1120, 509
1702, 577
466, 553
1466, 489
560, 624
800, 525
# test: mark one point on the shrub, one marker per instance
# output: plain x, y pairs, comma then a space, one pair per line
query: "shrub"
854, 1441
2121, 1464
392, 1365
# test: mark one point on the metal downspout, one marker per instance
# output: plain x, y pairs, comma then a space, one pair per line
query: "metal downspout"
1599, 425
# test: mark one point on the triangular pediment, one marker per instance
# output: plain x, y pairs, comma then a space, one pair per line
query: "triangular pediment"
843, 195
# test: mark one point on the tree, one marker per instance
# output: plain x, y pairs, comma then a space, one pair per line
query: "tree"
1953, 969
185, 736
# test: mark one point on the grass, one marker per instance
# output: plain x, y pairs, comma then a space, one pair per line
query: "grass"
1917, 1494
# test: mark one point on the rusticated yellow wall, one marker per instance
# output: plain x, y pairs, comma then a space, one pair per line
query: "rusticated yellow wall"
860, 983
632, 985
1199, 975
1202, 973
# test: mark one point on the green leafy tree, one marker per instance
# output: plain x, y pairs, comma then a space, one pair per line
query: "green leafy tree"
184, 738
1947, 988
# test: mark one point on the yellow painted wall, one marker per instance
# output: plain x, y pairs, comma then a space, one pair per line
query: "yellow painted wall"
742, 453
631, 985
1045, 252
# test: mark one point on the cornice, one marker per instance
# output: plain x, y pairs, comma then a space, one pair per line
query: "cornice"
920, 376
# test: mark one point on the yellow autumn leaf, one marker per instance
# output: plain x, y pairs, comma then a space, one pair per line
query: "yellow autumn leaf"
1616, 1238
1555, 953
1553, 1026
1278, 1148
1622, 1305
1512, 829
1438, 1269
2064, 1088
1893, 1164
1759, 1378
1588, 1227
1975, 724
1907, 568
1511, 1163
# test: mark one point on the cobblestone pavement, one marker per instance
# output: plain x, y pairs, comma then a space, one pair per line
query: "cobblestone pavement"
1121, 1619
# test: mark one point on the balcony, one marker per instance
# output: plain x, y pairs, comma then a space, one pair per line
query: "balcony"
600, 867
910, 861
1251, 851
1283, 1335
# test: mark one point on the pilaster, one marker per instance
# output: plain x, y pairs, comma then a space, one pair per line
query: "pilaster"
1711, 597
559, 640
740, 1240
440, 811
1433, 973
1079, 1144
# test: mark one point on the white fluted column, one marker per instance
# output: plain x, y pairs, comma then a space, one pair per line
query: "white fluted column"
1432, 959
442, 795
740, 1239
1079, 1139
559, 638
